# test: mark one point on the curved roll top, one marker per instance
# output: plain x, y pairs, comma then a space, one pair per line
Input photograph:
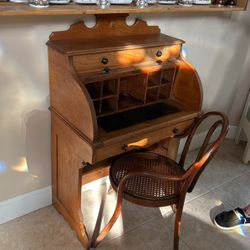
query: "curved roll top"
187, 87
68, 99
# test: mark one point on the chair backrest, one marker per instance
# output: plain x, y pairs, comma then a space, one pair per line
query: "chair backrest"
207, 150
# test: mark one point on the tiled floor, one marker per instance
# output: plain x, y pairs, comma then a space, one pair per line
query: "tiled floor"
224, 185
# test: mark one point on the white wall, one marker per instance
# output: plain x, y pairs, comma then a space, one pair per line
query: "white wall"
217, 44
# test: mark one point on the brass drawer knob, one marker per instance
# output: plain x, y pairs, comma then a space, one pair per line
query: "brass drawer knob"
159, 53
175, 131
105, 60
125, 147
105, 71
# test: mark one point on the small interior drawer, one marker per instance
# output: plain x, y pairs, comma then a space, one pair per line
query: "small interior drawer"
124, 58
142, 141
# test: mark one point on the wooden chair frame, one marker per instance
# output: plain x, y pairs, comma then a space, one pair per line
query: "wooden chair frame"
187, 180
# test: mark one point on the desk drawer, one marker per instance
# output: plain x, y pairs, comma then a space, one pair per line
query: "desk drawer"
141, 141
124, 58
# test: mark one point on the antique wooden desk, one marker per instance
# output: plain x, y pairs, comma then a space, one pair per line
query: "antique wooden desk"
113, 88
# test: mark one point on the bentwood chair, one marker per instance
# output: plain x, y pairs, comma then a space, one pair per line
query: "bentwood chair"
152, 180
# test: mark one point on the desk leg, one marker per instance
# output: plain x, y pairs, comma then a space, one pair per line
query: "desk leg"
167, 147
66, 185
173, 145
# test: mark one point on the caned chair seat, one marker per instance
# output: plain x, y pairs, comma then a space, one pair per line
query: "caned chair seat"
150, 190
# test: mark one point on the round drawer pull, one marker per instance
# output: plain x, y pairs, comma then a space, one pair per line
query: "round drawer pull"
105, 60
159, 62
175, 130
105, 71
159, 53
125, 147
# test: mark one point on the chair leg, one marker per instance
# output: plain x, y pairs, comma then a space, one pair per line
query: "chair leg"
177, 227
110, 224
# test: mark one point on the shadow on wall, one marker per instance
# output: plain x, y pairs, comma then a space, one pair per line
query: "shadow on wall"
239, 97
38, 145
24, 135
234, 86
27, 168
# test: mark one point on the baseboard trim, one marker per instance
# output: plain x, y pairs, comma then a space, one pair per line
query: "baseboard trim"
232, 132
29, 202
24, 204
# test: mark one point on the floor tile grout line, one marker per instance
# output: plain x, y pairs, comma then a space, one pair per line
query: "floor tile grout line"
181, 238
233, 206
134, 229
214, 188
185, 243
137, 227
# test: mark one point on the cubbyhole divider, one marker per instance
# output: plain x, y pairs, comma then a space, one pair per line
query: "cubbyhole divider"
128, 92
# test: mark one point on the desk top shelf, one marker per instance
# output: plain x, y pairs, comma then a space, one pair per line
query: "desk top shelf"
23, 9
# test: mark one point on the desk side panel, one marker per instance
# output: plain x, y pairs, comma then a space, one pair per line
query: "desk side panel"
68, 153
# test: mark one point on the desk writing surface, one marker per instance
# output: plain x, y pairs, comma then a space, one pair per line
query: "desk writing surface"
140, 129
134, 116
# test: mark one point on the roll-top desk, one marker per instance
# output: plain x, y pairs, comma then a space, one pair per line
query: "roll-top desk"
113, 88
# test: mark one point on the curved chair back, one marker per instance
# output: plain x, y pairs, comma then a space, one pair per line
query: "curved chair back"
207, 149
